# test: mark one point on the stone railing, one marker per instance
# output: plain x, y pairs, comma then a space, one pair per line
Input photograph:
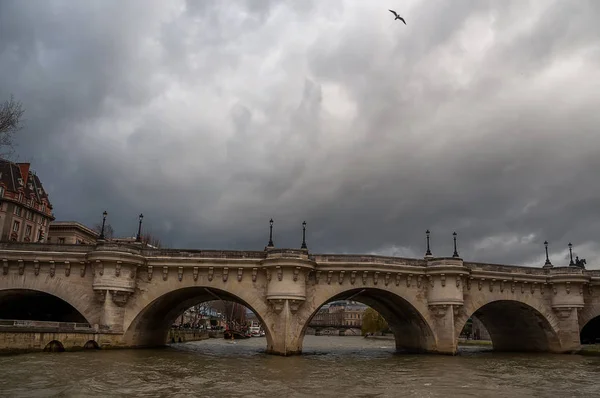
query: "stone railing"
29, 324
45, 247
359, 258
203, 253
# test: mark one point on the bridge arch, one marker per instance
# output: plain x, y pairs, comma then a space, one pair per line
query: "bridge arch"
514, 325
152, 317
407, 318
43, 304
589, 324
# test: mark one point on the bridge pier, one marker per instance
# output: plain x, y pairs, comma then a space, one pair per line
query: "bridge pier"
285, 329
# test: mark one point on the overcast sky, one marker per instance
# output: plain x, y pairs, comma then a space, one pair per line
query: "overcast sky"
210, 117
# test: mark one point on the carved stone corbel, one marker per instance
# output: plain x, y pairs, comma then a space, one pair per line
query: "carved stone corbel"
329, 275
211, 273
386, 279
438, 310
353, 277
195, 273
502, 282
279, 273
398, 279
533, 287
294, 305
480, 283
4, 266
563, 313
82, 268
119, 297
21, 266
226, 274
543, 288
150, 269
36, 267
364, 277
491, 284
420, 280
180, 273
67, 268
430, 278
100, 267
512, 286
133, 272
118, 268
375, 278
568, 287
523, 287
469, 283
52, 268
165, 272
254, 274
341, 277
277, 305
100, 295
581, 289
590, 289
317, 277
458, 279
296, 273
408, 279
443, 279
240, 273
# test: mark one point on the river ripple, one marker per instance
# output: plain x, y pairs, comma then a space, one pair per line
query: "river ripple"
330, 367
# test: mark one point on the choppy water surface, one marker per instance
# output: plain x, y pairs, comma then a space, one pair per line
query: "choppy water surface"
330, 367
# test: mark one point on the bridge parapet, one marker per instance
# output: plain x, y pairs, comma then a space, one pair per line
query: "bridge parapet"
445, 281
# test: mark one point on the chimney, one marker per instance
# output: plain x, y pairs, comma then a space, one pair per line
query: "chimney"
24, 167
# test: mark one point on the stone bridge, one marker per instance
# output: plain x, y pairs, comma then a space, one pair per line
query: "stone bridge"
131, 295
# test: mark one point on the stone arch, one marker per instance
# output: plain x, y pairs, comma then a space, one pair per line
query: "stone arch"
91, 345
514, 325
150, 325
33, 304
54, 346
78, 293
406, 317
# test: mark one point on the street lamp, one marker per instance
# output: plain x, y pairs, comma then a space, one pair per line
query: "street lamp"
270, 233
138, 238
428, 252
455, 251
547, 259
303, 236
103, 223
571, 254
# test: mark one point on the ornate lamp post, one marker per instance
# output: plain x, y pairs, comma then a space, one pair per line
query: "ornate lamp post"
455, 251
547, 259
571, 254
138, 238
428, 252
270, 233
103, 223
303, 236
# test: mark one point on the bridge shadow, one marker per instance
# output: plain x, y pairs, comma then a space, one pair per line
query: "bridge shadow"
511, 326
26, 304
590, 333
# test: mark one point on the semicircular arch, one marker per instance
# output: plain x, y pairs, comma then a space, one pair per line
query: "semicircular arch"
78, 296
407, 317
513, 324
149, 317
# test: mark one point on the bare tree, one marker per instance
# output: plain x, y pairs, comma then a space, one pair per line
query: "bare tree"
109, 232
150, 239
10, 122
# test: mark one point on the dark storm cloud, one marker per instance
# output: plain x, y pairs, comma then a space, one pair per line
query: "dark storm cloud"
479, 117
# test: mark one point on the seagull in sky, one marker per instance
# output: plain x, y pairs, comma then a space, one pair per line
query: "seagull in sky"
398, 16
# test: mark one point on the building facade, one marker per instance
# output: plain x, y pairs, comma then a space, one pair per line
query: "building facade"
71, 232
340, 314
25, 210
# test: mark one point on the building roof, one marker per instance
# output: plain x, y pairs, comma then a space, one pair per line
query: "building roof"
18, 178
73, 224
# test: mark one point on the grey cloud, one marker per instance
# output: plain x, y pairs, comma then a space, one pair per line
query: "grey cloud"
479, 117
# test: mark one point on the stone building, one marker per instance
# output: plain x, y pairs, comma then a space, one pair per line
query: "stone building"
25, 210
340, 314
71, 232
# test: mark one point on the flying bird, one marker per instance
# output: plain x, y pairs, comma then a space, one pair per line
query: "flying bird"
398, 16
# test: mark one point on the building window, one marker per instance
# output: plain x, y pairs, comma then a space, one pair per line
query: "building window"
1, 189
28, 230
61, 241
16, 226
28, 215
18, 211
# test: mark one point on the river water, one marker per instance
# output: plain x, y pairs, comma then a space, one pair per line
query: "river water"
331, 366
